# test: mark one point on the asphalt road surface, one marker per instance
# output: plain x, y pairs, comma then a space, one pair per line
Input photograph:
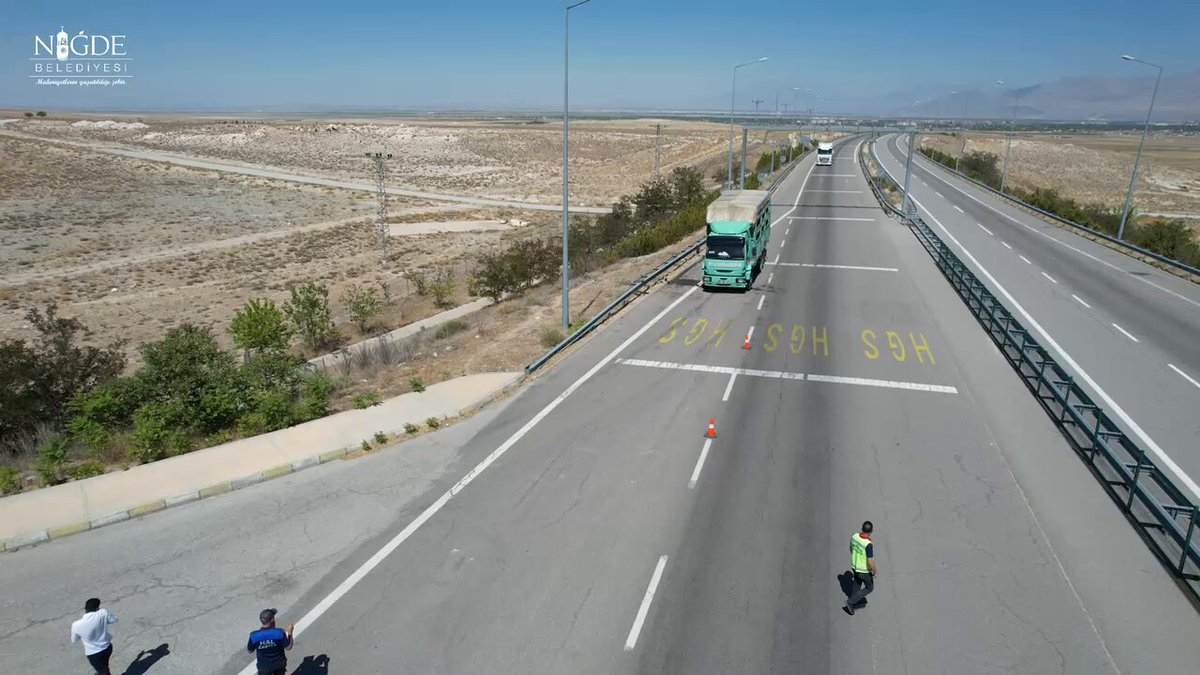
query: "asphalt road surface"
1130, 328
588, 526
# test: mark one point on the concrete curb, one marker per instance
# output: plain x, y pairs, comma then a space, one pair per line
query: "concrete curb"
42, 536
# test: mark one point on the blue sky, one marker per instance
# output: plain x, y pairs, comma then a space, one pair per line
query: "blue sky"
661, 54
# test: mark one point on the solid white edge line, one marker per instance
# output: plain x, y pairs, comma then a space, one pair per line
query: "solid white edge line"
1126, 333
785, 375
1116, 409
380, 555
1055, 239
762, 298
1183, 375
631, 641
1080, 301
700, 461
796, 203
729, 387
1049, 277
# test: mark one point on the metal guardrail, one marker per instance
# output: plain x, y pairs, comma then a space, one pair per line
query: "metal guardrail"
1164, 516
636, 287
1107, 237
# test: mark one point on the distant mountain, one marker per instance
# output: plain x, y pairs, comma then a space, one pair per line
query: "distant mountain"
1072, 98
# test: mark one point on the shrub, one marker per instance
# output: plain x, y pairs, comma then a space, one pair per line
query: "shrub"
433, 423
155, 434
363, 304
314, 399
551, 335
365, 446
364, 401
10, 480
260, 326
442, 288
41, 113
274, 410
308, 310
380, 438
50, 460
90, 433
418, 280
415, 384
28, 114
515, 270
1172, 239
410, 428
85, 470
450, 328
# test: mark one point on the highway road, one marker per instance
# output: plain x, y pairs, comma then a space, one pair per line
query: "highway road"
1130, 328
586, 525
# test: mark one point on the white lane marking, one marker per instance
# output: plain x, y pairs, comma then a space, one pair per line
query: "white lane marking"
1126, 333
839, 175
770, 277
631, 641
1006, 245
782, 243
728, 388
787, 231
851, 267
762, 298
1080, 301
856, 149
796, 203
784, 375
1062, 243
1049, 277
988, 231
1183, 375
957, 209
843, 192
1025, 259
750, 333
1132, 425
777, 255
699, 464
387, 549
860, 220
938, 194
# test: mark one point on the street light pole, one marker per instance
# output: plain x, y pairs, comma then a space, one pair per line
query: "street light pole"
732, 104
1012, 123
912, 137
657, 148
1145, 131
566, 208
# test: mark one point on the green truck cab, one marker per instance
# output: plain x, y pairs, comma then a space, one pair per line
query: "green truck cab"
739, 226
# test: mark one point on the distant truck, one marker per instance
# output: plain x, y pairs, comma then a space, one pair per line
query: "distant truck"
739, 226
825, 154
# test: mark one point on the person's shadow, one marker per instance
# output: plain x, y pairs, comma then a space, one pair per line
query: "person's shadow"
145, 659
313, 665
849, 584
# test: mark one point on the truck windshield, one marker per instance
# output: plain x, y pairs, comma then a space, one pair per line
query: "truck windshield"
726, 248
824, 152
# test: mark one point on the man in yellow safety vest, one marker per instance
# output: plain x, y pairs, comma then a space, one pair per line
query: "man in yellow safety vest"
862, 564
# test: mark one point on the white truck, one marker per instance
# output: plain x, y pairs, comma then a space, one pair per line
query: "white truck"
825, 154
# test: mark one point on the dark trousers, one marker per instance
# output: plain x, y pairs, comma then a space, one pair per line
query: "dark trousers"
864, 583
99, 661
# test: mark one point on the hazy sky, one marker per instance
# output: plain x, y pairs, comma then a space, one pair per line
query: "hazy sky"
661, 54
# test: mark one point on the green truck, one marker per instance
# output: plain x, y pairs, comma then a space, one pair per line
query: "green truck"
739, 226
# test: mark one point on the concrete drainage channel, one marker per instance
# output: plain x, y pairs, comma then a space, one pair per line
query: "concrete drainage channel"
1164, 515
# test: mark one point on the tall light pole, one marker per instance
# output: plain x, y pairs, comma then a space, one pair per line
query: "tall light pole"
566, 208
756, 102
1012, 123
780, 91
963, 126
732, 104
657, 148
1145, 130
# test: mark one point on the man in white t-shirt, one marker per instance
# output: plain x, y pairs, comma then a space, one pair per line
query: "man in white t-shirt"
92, 630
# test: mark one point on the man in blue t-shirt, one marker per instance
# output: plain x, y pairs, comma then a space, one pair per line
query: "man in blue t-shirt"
269, 643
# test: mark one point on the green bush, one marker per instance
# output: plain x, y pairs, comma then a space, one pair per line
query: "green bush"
10, 480
274, 409
156, 434
85, 470
260, 326
513, 271
365, 445
415, 384
410, 428
433, 423
314, 399
380, 438
364, 401
51, 460
551, 335
418, 280
90, 433
363, 304
451, 328
1172, 239
442, 288
308, 311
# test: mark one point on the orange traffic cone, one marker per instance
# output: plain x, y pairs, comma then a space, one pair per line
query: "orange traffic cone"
712, 428
746, 344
